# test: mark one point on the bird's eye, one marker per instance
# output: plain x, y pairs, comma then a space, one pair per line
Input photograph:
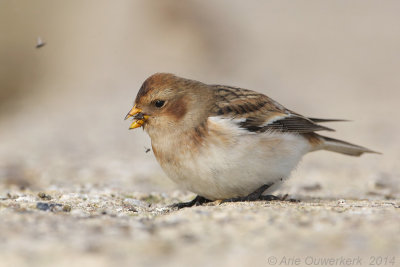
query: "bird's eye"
159, 103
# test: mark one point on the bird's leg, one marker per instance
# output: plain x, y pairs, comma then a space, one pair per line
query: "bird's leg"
197, 201
256, 195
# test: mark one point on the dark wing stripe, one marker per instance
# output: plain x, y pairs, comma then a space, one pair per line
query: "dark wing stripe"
291, 124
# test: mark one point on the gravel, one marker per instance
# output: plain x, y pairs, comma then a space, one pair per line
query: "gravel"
103, 228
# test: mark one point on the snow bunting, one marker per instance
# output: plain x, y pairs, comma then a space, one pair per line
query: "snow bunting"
223, 142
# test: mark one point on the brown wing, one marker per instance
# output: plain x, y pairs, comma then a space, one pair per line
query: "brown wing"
259, 113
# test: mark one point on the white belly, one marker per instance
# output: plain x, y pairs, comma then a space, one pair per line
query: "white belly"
219, 171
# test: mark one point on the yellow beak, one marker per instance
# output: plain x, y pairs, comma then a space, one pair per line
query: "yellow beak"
139, 118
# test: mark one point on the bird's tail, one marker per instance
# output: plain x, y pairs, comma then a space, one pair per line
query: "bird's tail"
335, 145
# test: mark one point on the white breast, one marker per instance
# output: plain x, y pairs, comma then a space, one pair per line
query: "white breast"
232, 161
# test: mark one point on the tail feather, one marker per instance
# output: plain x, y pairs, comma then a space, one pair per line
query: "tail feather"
343, 147
319, 120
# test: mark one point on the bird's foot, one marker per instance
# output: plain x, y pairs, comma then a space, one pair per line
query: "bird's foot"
256, 195
197, 201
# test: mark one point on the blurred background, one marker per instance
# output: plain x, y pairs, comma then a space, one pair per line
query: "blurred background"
62, 105
63, 101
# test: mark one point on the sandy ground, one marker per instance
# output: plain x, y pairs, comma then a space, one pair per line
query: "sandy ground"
99, 227
78, 189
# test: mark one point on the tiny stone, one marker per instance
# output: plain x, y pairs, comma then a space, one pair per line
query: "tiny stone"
11, 196
43, 195
46, 206
42, 206
66, 208
132, 209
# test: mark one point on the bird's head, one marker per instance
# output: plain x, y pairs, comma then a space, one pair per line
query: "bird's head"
166, 103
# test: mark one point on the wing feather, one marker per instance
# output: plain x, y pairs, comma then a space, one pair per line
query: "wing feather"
259, 113
318, 120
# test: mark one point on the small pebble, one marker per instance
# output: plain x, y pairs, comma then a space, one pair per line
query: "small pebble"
132, 209
43, 195
49, 206
66, 208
